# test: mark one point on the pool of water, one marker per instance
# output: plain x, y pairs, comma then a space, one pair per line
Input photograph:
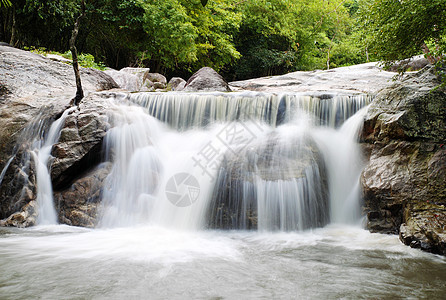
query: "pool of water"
62, 262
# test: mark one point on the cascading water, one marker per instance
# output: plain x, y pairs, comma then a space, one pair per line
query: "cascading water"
224, 164
183, 110
34, 146
41, 154
242, 172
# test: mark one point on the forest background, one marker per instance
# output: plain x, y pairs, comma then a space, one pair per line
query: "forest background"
241, 39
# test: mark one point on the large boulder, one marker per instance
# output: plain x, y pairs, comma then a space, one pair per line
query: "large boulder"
176, 84
404, 180
34, 91
80, 143
206, 79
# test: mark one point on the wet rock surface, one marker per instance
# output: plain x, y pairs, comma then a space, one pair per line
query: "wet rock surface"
404, 180
80, 143
251, 172
34, 91
79, 204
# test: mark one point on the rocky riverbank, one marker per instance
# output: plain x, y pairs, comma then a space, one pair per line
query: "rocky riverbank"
404, 182
403, 139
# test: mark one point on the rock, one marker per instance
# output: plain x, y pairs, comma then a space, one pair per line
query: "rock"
156, 78
143, 84
59, 58
425, 227
34, 91
80, 143
125, 80
176, 84
412, 64
78, 204
206, 79
366, 78
140, 72
26, 75
138, 79
25, 218
404, 178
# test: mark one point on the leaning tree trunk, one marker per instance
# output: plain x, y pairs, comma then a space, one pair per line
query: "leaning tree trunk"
79, 91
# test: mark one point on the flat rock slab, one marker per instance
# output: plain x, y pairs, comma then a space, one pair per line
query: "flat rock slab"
365, 78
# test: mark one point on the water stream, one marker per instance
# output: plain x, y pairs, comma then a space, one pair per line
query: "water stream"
221, 196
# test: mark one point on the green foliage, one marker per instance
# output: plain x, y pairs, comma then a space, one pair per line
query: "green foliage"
239, 38
399, 29
85, 60
184, 34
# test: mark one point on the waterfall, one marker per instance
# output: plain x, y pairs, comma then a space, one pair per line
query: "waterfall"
186, 110
41, 154
237, 160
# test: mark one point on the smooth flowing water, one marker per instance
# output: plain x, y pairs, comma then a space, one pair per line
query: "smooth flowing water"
334, 262
279, 172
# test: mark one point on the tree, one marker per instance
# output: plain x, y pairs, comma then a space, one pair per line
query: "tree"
79, 91
401, 29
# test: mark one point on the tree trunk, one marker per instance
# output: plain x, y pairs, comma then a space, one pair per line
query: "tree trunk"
2, 31
13, 28
328, 58
79, 91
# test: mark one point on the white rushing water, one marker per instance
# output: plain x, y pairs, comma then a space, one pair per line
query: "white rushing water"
61, 262
226, 162
41, 154
210, 165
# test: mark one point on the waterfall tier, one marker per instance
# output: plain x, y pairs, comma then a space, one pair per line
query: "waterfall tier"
186, 110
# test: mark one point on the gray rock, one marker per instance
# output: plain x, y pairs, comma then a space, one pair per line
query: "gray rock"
79, 204
138, 79
176, 84
156, 77
404, 178
206, 79
58, 58
126, 80
32, 89
80, 143
366, 78
412, 64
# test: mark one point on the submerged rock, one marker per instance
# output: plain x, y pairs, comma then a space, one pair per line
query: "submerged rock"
406, 173
206, 80
278, 185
